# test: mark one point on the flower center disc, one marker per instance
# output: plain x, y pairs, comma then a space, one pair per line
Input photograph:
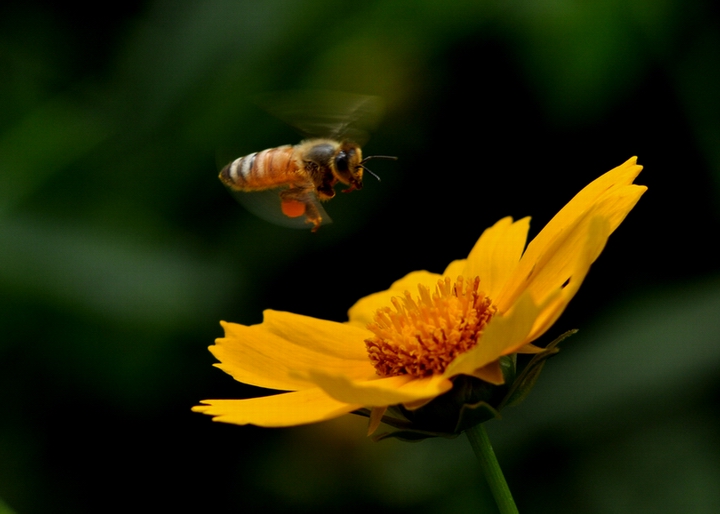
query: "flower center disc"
422, 336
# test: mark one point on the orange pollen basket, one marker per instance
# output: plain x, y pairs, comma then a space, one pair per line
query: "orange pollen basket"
292, 208
422, 336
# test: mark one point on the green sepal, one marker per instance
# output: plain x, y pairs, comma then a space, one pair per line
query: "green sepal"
525, 381
406, 430
471, 415
410, 436
470, 402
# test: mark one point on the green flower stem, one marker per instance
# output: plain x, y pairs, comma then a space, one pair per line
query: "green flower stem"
480, 443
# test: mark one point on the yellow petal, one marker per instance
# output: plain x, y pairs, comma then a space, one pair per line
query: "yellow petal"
327, 337
280, 410
364, 309
596, 237
619, 177
491, 373
455, 269
547, 262
503, 335
558, 264
530, 348
376, 415
381, 391
254, 355
496, 254
415, 405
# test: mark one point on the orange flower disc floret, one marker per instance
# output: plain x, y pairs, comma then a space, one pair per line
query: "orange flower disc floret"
422, 336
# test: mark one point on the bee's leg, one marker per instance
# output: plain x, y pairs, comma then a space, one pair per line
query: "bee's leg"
322, 178
313, 216
303, 196
326, 189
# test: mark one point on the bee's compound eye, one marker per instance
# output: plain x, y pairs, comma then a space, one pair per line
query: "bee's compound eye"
341, 162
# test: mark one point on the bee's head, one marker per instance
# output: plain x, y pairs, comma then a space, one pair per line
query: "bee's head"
348, 166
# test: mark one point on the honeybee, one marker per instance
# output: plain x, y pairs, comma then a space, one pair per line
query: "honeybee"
306, 173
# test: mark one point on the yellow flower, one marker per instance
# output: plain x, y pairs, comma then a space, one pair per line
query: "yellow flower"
409, 344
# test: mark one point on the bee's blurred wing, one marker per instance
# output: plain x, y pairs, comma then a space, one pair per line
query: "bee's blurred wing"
266, 205
330, 114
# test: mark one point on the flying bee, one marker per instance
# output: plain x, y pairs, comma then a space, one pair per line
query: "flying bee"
307, 173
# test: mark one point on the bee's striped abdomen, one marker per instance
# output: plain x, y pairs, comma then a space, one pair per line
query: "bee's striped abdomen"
261, 170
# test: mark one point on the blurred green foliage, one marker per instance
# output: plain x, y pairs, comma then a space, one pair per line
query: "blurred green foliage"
120, 251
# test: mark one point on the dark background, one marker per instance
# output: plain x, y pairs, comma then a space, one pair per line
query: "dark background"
120, 250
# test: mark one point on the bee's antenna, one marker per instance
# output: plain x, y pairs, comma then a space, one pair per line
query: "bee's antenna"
389, 157
370, 172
